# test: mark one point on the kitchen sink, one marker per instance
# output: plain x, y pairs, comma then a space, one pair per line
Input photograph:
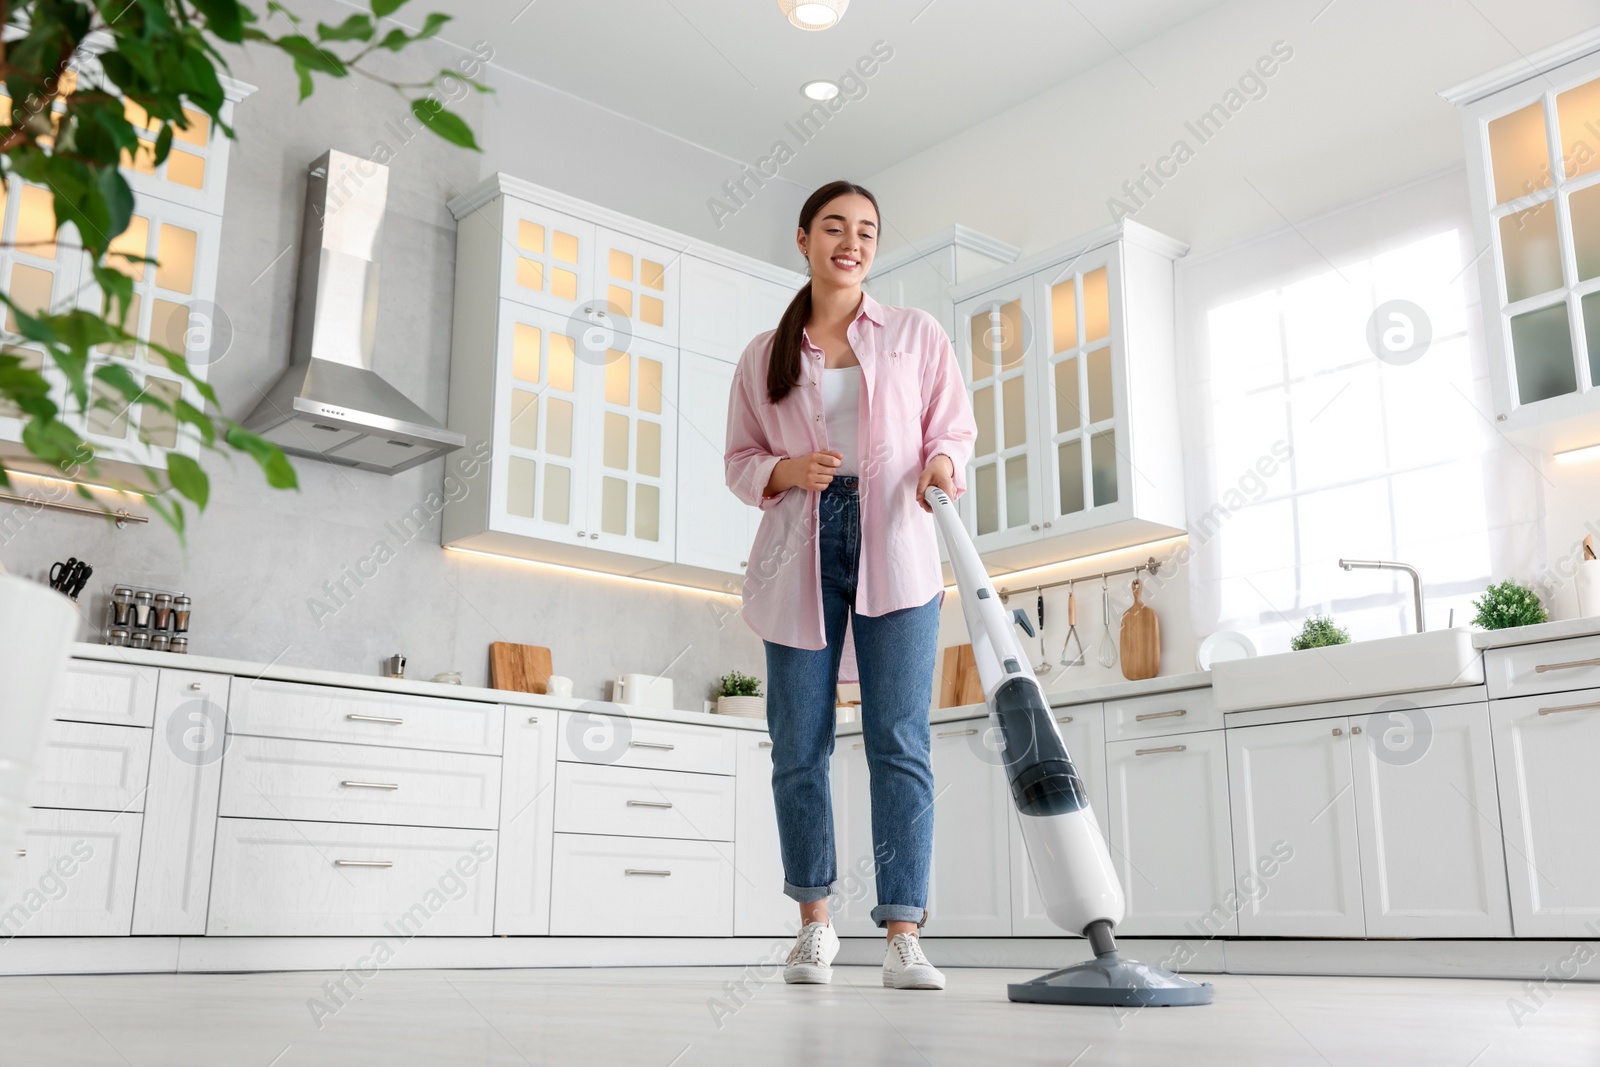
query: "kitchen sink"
1433, 660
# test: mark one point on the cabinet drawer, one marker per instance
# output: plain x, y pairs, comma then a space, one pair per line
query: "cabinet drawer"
587, 737
640, 887
1546, 667
93, 766
273, 778
361, 716
279, 879
1178, 712
636, 802
122, 694
75, 877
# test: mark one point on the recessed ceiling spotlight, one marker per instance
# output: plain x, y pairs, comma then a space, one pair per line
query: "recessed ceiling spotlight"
813, 14
822, 89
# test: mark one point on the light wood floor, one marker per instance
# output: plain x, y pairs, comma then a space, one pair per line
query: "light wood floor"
664, 1017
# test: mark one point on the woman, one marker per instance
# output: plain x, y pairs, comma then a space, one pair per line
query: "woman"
838, 421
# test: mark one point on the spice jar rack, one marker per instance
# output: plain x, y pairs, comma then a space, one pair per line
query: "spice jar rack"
156, 619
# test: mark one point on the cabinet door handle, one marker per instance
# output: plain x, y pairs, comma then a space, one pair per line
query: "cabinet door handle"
1354, 730
1337, 732
370, 785
1569, 707
652, 874
1541, 668
353, 717
1160, 715
649, 803
1063, 718
21, 852
533, 720
363, 863
955, 733
650, 744
859, 744
763, 744
1153, 751
195, 686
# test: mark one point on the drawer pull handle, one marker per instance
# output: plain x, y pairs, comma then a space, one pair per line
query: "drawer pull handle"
21, 852
1161, 715
651, 744
1153, 751
859, 744
194, 687
533, 720
363, 863
1568, 707
1541, 668
353, 717
763, 744
955, 733
370, 785
652, 874
1063, 718
649, 803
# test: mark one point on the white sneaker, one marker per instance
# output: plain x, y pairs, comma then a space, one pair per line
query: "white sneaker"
810, 961
905, 967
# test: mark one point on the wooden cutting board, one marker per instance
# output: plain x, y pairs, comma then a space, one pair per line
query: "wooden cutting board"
1141, 639
519, 668
959, 682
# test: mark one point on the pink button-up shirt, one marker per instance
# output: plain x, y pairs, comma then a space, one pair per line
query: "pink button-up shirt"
914, 406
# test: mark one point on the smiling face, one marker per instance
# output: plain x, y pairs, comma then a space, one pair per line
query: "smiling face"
842, 241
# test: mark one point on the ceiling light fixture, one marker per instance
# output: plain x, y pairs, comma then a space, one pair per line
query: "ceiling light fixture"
821, 89
813, 14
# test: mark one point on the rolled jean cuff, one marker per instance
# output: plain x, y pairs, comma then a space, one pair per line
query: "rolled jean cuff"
804, 894
884, 914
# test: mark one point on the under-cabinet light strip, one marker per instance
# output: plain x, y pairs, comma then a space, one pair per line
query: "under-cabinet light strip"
656, 582
1147, 546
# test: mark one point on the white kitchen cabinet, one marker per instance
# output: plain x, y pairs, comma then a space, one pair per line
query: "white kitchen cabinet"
1534, 182
267, 707
1544, 751
760, 908
715, 528
74, 876
632, 802
1069, 361
856, 883
640, 887
1293, 797
181, 804
1167, 827
1082, 728
569, 328
969, 879
119, 694
92, 766
527, 822
922, 274
1432, 860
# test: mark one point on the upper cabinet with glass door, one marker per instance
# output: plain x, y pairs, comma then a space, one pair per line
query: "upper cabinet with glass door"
1533, 170
1069, 361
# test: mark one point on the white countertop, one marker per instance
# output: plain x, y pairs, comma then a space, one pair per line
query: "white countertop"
284, 673
1543, 631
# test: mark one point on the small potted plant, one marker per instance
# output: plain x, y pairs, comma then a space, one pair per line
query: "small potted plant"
740, 694
1319, 631
1508, 604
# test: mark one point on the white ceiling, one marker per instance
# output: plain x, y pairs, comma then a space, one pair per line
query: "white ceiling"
726, 74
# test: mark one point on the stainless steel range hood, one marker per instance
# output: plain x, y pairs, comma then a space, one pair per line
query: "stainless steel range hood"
330, 404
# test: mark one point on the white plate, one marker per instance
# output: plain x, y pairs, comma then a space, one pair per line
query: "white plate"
1223, 645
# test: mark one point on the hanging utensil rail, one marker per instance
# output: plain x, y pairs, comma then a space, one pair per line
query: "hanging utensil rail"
121, 518
1152, 565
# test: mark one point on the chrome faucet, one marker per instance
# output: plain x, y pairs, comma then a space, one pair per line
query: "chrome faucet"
1386, 565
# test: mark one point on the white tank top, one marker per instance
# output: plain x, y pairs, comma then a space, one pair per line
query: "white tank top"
841, 400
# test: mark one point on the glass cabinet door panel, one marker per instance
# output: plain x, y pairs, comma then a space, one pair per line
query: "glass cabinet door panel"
525, 419
1069, 471
1541, 349
562, 356
558, 428
530, 274
1583, 207
565, 248
130, 242
185, 168
1578, 115
983, 415
1013, 335
650, 385
198, 129
1068, 416
647, 449
987, 489
1530, 252
647, 512
557, 493
620, 300
620, 265
525, 352
519, 486
614, 449
131, 323
1096, 307
564, 284
619, 378
169, 325
31, 290
984, 330
613, 506
36, 223
1591, 333
175, 255
1017, 491
1103, 467
1016, 411
31, 360
530, 236
108, 411
158, 427
1100, 404
1519, 154
1064, 315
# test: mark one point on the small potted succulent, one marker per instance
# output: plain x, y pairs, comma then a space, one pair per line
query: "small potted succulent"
740, 694
1508, 604
1319, 631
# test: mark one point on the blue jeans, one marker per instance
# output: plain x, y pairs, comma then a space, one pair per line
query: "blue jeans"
895, 654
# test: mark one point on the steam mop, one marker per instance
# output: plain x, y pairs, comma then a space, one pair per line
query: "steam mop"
1066, 849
